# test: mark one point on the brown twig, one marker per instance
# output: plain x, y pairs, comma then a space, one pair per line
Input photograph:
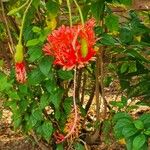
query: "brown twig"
83, 88
7, 28
77, 94
87, 107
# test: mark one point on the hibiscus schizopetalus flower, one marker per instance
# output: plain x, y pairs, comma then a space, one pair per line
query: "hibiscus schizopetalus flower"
20, 72
19, 64
72, 46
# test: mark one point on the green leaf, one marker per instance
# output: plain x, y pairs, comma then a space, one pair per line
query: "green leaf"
112, 22
107, 81
34, 53
107, 40
44, 101
52, 8
126, 2
132, 67
79, 146
133, 53
67, 105
37, 114
36, 29
32, 42
13, 11
139, 124
35, 77
45, 65
145, 118
126, 36
97, 9
47, 130
56, 98
124, 67
23, 89
60, 147
17, 122
147, 131
57, 114
129, 131
13, 95
23, 105
36, 3
122, 122
139, 141
4, 84
65, 75
121, 115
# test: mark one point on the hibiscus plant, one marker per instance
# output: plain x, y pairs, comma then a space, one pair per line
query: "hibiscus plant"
59, 52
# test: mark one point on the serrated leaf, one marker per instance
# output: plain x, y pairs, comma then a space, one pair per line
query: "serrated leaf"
47, 129
65, 75
126, 36
112, 22
139, 141
37, 114
138, 124
67, 105
35, 53
97, 9
107, 40
56, 98
57, 114
35, 77
45, 65
44, 101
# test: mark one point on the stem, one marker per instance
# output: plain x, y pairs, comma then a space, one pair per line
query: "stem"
80, 12
70, 16
97, 94
23, 21
75, 107
7, 28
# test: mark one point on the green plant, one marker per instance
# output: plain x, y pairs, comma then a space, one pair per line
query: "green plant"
136, 132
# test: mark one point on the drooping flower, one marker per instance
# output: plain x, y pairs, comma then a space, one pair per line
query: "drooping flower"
72, 46
20, 72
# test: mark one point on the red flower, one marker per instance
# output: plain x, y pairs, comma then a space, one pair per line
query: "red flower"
20, 72
65, 45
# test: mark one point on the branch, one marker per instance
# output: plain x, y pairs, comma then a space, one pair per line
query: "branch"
7, 28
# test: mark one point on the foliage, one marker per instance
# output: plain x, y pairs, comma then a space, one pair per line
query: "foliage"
43, 104
134, 131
